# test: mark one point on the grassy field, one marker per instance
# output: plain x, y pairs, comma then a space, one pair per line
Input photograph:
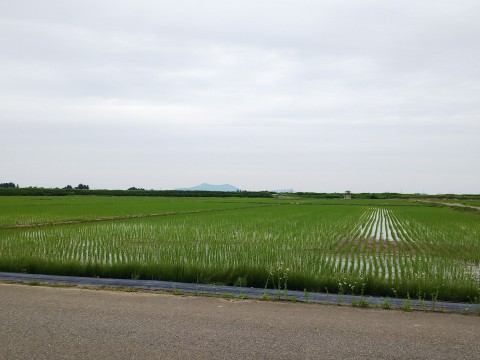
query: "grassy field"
379, 247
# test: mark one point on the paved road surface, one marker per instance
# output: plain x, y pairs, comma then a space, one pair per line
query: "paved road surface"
59, 323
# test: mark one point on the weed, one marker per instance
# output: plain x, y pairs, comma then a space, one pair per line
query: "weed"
34, 283
240, 282
242, 296
363, 303
61, 285
266, 297
306, 296
362, 292
341, 291
434, 296
386, 304
285, 284
135, 276
422, 304
407, 305
175, 291
279, 278
421, 299
8, 282
265, 294
354, 303
127, 289
395, 293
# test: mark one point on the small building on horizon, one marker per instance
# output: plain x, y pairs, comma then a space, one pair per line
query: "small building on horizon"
347, 195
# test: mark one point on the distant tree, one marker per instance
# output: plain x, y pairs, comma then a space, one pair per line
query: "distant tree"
8, 185
82, 187
68, 187
135, 188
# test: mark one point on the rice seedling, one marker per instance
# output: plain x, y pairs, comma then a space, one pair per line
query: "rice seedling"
359, 248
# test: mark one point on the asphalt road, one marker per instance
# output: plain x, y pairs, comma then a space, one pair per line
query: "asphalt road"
71, 323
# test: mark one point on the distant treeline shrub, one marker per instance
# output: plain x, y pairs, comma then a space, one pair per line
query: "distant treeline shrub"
168, 193
388, 195
7, 189
8, 185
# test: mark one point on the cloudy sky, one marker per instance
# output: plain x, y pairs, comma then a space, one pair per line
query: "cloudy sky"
311, 95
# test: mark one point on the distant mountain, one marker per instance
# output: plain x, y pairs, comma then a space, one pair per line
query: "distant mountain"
209, 187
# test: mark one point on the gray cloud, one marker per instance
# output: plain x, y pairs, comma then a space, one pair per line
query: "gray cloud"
372, 96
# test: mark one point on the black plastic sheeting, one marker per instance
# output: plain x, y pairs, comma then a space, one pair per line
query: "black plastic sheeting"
255, 293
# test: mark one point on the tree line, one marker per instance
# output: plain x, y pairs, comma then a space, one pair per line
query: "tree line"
79, 187
36, 191
8, 185
83, 189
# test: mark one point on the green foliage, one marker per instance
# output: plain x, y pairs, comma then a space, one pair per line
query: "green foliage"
386, 304
407, 304
241, 282
84, 190
363, 247
177, 292
9, 185
306, 296
363, 303
278, 277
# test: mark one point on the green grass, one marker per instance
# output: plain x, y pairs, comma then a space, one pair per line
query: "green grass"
16, 210
369, 247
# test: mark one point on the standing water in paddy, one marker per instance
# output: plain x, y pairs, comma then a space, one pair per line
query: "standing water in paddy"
389, 248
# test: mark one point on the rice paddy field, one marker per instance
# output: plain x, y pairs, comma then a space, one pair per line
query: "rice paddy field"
372, 247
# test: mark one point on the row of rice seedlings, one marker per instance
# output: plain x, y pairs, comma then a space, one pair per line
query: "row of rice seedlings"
403, 243
362, 223
103, 250
388, 225
222, 247
408, 243
40, 210
374, 227
457, 238
446, 264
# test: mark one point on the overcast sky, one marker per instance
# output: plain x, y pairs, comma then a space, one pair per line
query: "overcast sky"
321, 96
